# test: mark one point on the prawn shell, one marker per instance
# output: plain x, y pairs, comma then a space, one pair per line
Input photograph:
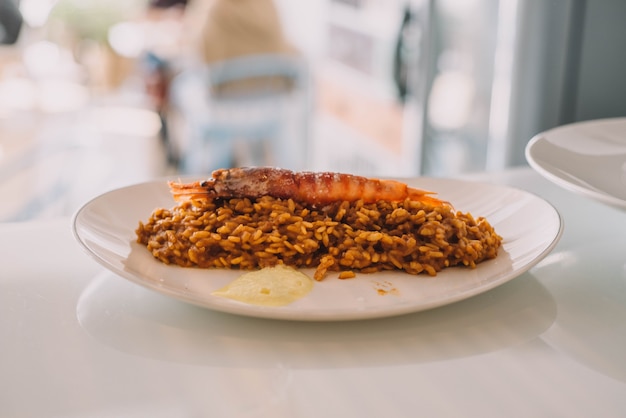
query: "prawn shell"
314, 188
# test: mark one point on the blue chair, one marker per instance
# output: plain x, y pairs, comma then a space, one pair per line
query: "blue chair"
248, 111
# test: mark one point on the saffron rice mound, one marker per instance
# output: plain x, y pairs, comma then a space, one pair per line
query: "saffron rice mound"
248, 234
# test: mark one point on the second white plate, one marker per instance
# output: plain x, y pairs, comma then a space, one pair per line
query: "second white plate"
588, 158
530, 228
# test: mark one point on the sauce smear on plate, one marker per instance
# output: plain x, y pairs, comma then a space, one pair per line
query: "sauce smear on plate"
270, 286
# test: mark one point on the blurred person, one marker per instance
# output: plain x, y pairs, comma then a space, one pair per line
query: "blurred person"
238, 28
235, 28
10, 22
221, 30
158, 68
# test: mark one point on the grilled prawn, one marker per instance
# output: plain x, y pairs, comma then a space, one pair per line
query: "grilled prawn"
304, 187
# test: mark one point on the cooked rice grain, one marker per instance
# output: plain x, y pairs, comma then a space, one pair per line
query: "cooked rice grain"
247, 234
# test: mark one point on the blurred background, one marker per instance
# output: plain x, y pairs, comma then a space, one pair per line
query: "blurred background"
98, 94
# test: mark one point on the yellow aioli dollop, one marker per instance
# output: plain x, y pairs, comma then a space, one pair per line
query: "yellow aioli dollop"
270, 286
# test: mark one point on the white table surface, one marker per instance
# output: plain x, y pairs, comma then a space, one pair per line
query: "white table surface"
77, 341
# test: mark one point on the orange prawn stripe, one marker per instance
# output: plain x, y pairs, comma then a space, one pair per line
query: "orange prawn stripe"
334, 187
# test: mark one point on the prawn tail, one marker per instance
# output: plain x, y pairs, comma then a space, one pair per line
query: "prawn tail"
426, 197
186, 191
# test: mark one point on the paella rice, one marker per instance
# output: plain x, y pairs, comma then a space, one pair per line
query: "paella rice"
343, 236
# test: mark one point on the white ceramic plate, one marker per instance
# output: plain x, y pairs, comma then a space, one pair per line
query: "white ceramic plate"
588, 158
530, 228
